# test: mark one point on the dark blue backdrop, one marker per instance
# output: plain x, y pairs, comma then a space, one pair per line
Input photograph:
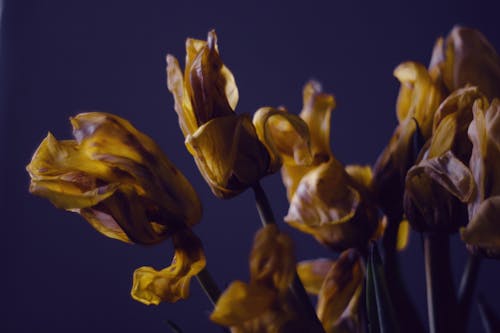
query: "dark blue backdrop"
61, 57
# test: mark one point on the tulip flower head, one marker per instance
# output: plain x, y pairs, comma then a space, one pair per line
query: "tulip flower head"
120, 181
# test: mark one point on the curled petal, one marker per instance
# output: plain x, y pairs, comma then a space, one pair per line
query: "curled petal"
431, 189
208, 82
312, 273
418, 96
338, 289
229, 154
483, 231
323, 197
451, 122
362, 176
286, 137
272, 261
182, 103
241, 302
172, 283
316, 112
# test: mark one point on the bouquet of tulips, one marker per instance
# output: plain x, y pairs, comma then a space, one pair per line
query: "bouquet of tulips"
438, 175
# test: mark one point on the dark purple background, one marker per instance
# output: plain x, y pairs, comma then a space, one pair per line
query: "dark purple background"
62, 57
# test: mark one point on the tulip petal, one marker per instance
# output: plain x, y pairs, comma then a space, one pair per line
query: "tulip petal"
323, 197
182, 104
241, 302
172, 283
104, 223
229, 154
316, 112
209, 84
312, 273
419, 96
471, 59
272, 261
339, 286
286, 137
484, 228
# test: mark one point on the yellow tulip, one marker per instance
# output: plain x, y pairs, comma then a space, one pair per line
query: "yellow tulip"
264, 304
440, 185
327, 200
225, 145
115, 177
483, 231
120, 181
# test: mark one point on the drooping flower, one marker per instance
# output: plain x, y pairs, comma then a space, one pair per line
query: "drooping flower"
483, 231
121, 182
265, 303
327, 200
224, 144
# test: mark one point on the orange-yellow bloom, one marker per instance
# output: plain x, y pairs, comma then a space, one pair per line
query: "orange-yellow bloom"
224, 144
327, 200
264, 304
121, 182
117, 178
438, 187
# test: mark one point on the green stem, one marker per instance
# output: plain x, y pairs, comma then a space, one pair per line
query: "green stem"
467, 285
441, 299
397, 289
208, 285
210, 288
297, 288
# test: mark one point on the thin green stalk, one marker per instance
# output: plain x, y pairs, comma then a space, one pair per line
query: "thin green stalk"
208, 285
397, 289
210, 288
297, 288
467, 285
441, 298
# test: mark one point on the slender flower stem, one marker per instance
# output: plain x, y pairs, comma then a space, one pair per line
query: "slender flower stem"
398, 291
467, 285
210, 288
297, 288
208, 285
441, 299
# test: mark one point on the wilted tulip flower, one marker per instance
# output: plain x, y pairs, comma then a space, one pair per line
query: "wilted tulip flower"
419, 97
327, 200
467, 58
439, 186
120, 181
483, 231
264, 304
338, 285
224, 144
